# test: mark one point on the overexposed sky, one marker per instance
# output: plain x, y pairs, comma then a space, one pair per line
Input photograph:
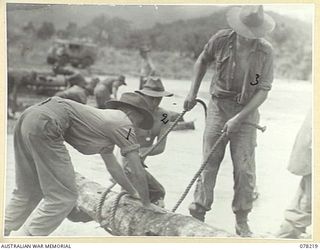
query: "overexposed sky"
303, 12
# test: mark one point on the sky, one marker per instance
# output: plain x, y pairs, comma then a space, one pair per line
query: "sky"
303, 12
62, 14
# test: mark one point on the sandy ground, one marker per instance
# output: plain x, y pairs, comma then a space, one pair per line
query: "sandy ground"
282, 113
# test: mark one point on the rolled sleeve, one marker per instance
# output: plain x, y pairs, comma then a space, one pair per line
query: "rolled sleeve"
125, 138
107, 150
124, 151
208, 53
267, 73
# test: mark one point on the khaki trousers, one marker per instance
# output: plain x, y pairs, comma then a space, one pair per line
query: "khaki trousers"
45, 180
298, 214
242, 148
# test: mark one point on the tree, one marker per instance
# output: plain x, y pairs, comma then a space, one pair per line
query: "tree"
46, 31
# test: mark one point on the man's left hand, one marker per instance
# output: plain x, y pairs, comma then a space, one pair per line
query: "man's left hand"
232, 125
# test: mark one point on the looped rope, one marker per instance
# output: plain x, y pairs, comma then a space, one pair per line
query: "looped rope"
114, 210
101, 202
110, 225
197, 174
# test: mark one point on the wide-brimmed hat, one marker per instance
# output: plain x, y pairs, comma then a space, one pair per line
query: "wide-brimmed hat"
154, 88
250, 21
122, 80
133, 100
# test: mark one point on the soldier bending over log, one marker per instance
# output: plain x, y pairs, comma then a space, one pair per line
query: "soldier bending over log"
45, 179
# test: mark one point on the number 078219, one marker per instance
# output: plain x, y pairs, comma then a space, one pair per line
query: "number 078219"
308, 245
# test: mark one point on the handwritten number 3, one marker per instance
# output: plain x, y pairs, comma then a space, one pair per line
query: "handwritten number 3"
257, 76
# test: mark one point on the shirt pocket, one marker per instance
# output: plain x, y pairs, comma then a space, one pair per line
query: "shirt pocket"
53, 130
222, 67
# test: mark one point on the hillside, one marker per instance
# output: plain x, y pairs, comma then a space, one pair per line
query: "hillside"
176, 34
139, 17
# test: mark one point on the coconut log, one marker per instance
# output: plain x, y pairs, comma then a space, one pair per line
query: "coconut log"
132, 219
184, 126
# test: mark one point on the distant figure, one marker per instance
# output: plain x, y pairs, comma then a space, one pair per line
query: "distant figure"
108, 89
62, 59
16, 80
80, 89
147, 67
298, 215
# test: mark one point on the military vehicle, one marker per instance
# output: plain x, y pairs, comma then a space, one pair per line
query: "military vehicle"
79, 54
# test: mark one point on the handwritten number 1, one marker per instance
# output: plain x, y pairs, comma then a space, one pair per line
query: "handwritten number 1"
129, 134
257, 77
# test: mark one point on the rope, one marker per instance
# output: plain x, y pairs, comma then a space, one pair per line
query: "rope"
172, 126
197, 174
164, 135
104, 195
101, 202
118, 197
114, 210
110, 225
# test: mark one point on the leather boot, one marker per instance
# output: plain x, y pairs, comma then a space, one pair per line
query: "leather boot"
197, 211
242, 227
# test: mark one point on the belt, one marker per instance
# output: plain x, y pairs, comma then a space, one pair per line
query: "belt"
54, 107
236, 97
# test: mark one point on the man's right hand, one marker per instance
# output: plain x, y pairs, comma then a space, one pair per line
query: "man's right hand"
189, 102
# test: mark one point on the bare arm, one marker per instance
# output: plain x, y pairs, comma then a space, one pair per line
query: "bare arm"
138, 176
199, 70
258, 98
117, 173
160, 148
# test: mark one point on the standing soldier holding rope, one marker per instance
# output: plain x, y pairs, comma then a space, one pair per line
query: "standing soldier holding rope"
243, 63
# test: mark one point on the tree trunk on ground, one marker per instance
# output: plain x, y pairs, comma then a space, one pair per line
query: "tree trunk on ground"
132, 219
184, 126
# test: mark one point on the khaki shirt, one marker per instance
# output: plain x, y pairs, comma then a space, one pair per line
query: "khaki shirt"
93, 131
301, 155
220, 50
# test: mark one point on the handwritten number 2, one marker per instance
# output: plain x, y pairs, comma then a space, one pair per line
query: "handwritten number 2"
257, 77
164, 118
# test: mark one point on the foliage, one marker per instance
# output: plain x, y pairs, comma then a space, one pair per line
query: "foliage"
181, 40
46, 31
